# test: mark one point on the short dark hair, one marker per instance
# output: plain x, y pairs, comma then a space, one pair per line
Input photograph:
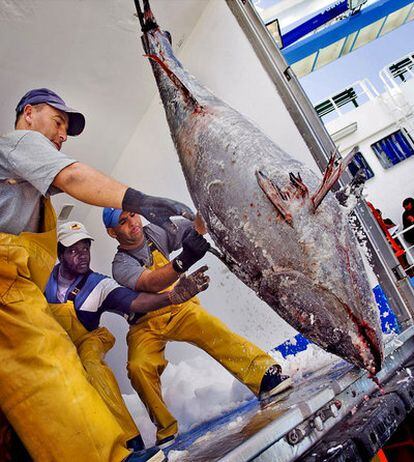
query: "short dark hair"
18, 114
408, 201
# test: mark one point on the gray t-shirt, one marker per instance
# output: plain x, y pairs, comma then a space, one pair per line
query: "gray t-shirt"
29, 163
128, 266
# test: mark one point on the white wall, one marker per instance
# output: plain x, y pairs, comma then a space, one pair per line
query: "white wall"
219, 55
89, 52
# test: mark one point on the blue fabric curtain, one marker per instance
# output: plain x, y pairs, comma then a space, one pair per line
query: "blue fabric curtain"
393, 149
404, 144
359, 163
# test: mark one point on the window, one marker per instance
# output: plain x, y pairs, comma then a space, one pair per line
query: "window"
394, 148
359, 163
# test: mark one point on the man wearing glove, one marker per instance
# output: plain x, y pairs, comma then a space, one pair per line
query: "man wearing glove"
142, 263
78, 297
32, 168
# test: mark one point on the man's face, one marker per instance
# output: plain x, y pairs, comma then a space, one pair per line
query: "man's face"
49, 121
77, 257
408, 207
129, 230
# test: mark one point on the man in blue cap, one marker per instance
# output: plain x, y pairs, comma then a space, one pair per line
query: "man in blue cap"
44, 391
143, 263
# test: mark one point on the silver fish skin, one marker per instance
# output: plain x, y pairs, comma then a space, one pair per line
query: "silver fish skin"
306, 264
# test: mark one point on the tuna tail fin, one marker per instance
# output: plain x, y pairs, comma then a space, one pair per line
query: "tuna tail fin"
188, 96
276, 196
148, 15
331, 175
146, 18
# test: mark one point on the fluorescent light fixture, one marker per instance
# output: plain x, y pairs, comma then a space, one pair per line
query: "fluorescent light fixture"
65, 211
345, 131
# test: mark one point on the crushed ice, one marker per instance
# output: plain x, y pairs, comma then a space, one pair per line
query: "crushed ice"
200, 389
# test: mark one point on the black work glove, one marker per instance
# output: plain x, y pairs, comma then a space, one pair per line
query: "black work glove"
189, 286
194, 248
157, 210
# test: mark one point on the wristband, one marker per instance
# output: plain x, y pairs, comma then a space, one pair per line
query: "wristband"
178, 265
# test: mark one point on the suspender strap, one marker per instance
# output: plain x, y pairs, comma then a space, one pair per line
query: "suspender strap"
151, 246
78, 288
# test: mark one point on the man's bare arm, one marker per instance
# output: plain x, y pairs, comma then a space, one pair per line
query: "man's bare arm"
194, 248
93, 187
186, 288
156, 280
90, 186
145, 302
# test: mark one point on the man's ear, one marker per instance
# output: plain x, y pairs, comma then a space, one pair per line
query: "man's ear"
111, 232
28, 114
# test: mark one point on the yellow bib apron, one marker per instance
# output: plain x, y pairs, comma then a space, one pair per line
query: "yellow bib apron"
188, 322
92, 347
44, 390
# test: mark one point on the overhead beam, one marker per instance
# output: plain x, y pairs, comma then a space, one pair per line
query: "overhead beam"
313, 23
331, 34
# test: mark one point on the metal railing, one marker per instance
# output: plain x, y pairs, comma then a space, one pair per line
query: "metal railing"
355, 95
398, 72
409, 248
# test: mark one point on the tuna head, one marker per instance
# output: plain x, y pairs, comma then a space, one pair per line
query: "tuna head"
294, 248
323, 318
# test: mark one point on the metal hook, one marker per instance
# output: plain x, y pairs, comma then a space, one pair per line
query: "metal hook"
140, 14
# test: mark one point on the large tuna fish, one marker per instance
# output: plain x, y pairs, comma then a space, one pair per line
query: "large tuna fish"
295, 251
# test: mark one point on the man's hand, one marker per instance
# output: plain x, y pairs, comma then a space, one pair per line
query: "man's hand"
157, 210
189, 286
194, 248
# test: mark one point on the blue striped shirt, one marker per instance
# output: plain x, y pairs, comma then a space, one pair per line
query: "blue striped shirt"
100, 293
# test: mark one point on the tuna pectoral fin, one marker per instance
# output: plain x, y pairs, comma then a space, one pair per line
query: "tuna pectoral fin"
274, 194
331, 175
297, 186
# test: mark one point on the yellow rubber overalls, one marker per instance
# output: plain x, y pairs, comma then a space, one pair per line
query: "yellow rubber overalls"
187, 322
92, 347
44, 389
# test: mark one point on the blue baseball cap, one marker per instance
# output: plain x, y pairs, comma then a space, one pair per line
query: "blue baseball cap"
44, 95
110, 217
